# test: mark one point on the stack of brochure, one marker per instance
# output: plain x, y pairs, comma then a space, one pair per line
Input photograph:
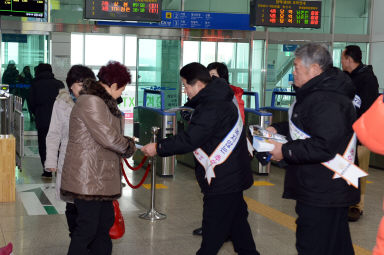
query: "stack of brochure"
261, 138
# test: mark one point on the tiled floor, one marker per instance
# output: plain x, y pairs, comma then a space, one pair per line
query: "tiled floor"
271, 217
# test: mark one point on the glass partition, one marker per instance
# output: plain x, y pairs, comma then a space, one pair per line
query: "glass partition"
95, 50
20, 54
158, 69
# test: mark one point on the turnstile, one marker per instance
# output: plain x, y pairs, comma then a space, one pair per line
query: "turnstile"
6, 110
279, 113
12, 119
255, 116
187, 158
144, 119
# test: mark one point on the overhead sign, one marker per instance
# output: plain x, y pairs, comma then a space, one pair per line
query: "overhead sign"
24, 8
286, 13
289, 47
124, 10
194, 20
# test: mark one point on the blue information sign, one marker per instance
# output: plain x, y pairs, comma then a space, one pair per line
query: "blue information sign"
194, 20
289, 47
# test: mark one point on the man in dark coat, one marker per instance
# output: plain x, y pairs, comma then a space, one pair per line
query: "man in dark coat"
42, 96
320, 127
222, 177
367, 90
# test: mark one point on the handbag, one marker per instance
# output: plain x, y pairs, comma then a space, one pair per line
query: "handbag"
369, 127
118, 228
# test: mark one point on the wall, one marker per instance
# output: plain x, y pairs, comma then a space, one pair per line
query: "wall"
61, 54
377, 41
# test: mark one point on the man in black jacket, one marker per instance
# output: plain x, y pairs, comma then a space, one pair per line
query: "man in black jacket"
320, 126
367, 90
42, 96
217, 137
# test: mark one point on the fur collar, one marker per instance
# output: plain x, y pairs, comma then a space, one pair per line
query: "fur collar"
91, 87
65, 96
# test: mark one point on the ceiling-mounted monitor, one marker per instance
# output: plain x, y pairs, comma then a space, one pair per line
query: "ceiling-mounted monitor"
23, 8
123, 10
285, 13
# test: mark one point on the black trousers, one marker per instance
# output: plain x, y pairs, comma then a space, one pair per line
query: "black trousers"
71, 215
322, 230
223, 216
91, 235
41, 136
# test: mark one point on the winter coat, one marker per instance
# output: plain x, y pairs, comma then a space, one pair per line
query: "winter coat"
367, 87
42, 96
325, 112
379, 247
213, 118
239, 94
57, 138
96, 143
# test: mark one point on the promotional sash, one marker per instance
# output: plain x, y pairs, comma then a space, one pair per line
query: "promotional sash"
222, 151
342, 165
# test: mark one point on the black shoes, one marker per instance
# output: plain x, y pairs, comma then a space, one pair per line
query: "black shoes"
198, 232
46, 175
354, 214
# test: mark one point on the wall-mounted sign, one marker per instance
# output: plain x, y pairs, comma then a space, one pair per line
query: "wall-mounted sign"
24, 8
286, 13
126, 10
194, 20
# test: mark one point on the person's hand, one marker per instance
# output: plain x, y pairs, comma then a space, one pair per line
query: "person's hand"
271, 129
277, 153
51, 169
149, 150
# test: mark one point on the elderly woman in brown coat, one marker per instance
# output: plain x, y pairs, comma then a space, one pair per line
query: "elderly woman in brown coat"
91, 172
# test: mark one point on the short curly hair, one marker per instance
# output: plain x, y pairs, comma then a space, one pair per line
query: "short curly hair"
114, 72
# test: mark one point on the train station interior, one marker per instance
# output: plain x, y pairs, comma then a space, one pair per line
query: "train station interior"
155, 39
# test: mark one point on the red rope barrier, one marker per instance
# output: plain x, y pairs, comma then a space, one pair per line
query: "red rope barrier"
135, 168
142, 180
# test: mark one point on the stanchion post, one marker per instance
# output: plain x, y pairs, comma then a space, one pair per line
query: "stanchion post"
152, 214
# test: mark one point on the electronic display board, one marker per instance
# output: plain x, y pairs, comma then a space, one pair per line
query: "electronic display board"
286, 13
24, 8
124, 10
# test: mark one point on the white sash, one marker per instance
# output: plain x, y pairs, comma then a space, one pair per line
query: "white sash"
343, 166
222, 151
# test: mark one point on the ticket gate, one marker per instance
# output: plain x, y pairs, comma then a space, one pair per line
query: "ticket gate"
279, 113
256, 116
187, 158
6, 110
144, 119
12, 119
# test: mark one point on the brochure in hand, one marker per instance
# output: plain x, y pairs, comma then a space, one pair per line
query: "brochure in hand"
261, 138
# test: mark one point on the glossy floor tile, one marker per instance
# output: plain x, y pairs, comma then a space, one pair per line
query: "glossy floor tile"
34, 229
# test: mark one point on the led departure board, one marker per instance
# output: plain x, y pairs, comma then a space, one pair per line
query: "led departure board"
286, 13
125, 10
24, 8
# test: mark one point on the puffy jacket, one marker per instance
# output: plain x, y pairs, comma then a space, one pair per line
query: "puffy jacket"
43, 93
92, 162
213, 118
239, 94
367, 87
57, 137
379, 247
325, 112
